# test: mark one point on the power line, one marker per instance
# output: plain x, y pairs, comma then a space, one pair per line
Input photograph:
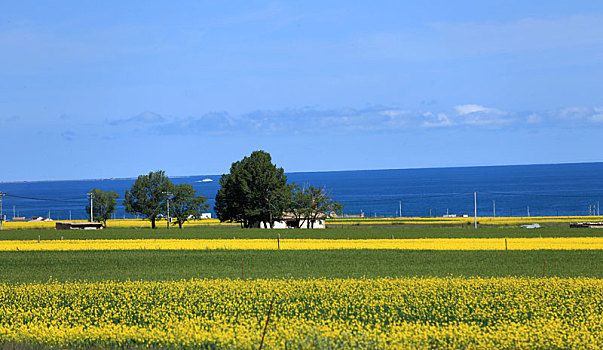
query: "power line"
44, 199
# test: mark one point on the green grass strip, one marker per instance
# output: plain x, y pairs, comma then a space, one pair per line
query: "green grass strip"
19, 267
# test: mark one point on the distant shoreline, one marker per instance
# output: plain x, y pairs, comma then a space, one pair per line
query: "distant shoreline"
38, 181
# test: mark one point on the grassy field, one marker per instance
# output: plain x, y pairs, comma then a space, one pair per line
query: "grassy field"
330, 298
175, 265
348, 232
23, 267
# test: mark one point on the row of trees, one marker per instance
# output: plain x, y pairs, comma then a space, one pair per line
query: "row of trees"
257, 191
150, 194
254, 191
149, 197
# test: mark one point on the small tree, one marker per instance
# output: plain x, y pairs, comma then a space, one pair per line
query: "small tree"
313, 203
146, 197
185, 204
103, 205
298, 205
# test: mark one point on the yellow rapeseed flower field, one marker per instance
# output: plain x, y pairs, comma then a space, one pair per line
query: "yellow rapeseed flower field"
483, 220
564, 243
116, 223
142, 223
392, 313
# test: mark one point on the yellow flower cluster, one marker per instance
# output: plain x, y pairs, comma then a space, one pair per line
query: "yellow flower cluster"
333, 222
117, 223
564, 243
484, 220
448, 313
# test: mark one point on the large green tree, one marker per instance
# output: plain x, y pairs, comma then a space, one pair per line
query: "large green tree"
254, 191
103, 205
147, 196
185, 204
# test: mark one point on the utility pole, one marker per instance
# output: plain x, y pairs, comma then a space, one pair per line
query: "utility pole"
528, 211
2, 194
475, 209
91, 195
494, 207
598, 208
168, 194
400, 208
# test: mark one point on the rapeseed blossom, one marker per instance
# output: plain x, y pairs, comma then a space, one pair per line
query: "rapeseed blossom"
556, 243
450, 313
334, 222
114, 223
482, 220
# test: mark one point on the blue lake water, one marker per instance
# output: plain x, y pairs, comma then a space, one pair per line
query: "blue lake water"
558, 189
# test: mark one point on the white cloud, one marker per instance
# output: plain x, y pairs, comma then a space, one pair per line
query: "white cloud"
487, 120
312, 120
577, 116
148, 117
598, 116
478, 115
394, 113
439, 120
144, 118
534, 118
572, 113
473, 108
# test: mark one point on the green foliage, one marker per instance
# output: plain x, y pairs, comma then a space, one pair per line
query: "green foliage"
147, 196
103, 205
332, 232
311, 204
254, 191
185, 204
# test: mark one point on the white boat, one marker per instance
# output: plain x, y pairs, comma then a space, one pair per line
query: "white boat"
206, 180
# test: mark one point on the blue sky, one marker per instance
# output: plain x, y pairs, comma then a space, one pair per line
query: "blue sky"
115, 89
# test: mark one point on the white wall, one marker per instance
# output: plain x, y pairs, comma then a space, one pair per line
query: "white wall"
283, 224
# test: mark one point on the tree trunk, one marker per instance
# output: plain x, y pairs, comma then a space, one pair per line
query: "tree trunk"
153, 222
180, 224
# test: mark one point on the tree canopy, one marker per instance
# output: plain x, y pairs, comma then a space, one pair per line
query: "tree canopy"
185, 204
147, 195
103, 205
311, 204
254, 191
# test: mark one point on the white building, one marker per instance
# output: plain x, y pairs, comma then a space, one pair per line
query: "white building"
289, 221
